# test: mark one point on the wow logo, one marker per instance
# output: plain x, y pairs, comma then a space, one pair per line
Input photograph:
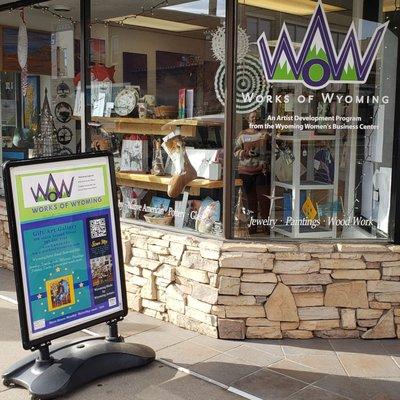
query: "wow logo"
53, 192
317, 63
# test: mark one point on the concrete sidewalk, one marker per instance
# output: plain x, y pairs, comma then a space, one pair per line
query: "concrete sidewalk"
283, 369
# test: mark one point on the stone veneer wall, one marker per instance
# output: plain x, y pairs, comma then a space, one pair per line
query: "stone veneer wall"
238, 290
5, 242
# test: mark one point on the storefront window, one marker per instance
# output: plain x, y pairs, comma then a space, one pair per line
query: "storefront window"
38, 63
315, 120
154, 105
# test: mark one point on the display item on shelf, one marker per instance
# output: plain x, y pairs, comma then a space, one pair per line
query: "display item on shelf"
134, 154
157, 165
241, 220
208, 214
309, 209
184, 171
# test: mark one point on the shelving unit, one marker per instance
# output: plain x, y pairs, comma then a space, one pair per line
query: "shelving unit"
160, 183
147, 126
296, 186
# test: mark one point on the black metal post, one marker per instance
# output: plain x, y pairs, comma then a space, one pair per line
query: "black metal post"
85, 74
44, 359
113, 335
230, 113
394, 216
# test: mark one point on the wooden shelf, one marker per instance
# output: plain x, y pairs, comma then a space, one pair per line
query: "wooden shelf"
160, 183
147, 126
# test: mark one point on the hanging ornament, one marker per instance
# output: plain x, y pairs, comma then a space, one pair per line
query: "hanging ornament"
23, 53
218, 44
250, 79
47, 138
309, 209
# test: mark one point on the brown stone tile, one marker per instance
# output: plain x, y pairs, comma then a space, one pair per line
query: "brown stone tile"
155, 339
224, 368
216, 344
369, 366
313, 393
389, 389
187, 353
359, 388
133, 323
273, 347
269, 385
326, 364
174, 330
311, 346
254, 356
295, 370
391, 346
358, 346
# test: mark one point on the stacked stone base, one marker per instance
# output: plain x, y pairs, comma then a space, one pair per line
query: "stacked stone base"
172, 277
237, 290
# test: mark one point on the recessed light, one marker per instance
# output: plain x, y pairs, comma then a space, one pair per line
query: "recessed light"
295, 7
155, 23
61, 8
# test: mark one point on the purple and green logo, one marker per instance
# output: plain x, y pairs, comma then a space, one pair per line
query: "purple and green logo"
317, 63
52, 192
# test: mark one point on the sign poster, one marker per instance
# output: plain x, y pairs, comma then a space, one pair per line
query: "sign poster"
67, 243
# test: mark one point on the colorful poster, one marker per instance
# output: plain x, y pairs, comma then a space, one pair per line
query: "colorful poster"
67, 243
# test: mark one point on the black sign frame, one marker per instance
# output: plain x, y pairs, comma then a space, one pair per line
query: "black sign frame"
115, 316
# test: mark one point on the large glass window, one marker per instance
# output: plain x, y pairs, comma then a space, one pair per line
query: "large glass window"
38, 64
315, 120
154, 66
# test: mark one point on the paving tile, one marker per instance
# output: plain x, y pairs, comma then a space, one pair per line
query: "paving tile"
217, 344
155, 339
358, 346
133, 323
269, 346
389, 389
269, 385
326, 364
391, 346
174, 330
296, 371
11, 349
359, 388
187, 387
254, 356
7, 285
154, 382
187, 353
313, 393
311, 346
369, 366
15, 394
224, 368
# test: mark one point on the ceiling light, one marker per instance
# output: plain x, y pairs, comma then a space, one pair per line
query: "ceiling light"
296, 7
389, 5
61, 8
156, 23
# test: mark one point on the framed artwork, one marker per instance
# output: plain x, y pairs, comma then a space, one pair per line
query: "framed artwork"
31, 104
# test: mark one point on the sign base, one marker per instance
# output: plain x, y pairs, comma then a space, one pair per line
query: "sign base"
69, 366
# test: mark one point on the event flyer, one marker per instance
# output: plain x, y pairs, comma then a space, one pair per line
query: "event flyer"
68, 250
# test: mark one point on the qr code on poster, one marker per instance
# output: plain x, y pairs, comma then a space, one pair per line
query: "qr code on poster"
98, 228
